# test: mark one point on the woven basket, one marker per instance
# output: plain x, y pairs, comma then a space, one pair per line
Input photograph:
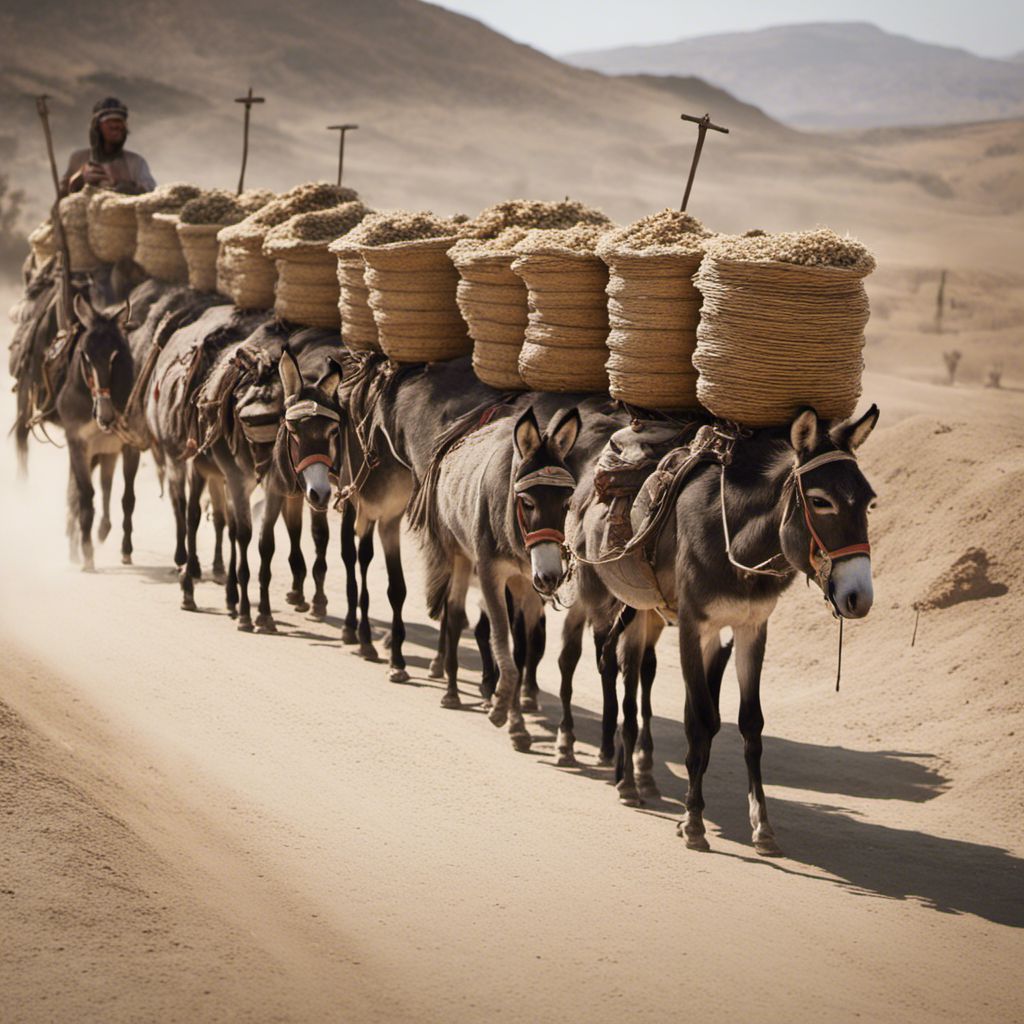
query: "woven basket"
199, 247
493, 301
776, 336
358, 328
112, 226
43, 243
565, 339
74, 217
244, 274
157, 249
653, 312
412, 289
307, 289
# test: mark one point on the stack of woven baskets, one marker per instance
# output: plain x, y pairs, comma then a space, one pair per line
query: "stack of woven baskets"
74, 218
358, 328
411, 284
782, 326
307, 289
112, 225
564, 347
244, 274
157, 249
492, 298
653, 310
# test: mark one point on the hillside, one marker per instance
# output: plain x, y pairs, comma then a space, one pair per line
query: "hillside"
838, 75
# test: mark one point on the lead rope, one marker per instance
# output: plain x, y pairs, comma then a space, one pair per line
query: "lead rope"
839, 657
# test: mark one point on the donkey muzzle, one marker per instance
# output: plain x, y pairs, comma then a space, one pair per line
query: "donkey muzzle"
546, 562
316, 484
851, 590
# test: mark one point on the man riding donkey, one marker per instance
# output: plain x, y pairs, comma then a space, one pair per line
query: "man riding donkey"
106, 163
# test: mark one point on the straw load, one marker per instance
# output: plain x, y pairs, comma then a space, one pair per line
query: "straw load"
74, 218
112, 225
307, 290
243, 272
42, 242
653, 309
412, 284
358, 328
492, 299
200, 221
782, 326
157, 249
564, 347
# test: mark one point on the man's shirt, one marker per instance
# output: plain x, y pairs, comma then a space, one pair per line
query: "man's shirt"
129, 170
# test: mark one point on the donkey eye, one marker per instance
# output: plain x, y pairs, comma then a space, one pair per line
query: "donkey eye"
529, 503
821, 503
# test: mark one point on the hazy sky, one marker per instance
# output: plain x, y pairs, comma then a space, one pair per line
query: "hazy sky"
993, 28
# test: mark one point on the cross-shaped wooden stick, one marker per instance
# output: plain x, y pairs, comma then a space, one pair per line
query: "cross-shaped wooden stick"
703, 124
248, 100
341, 145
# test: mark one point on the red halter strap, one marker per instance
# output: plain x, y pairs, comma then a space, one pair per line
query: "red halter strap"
534, 537
311, 460
92, 383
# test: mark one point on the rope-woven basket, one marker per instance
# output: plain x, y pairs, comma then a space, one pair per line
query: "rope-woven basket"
157, 249
494, 303
244, 274
199, 247
112, 226
653, 311
567, 327
307, 289
74, 217
42, 242
776, 336
358, 328
412, 289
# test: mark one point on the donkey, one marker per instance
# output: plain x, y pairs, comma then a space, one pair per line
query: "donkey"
306, 455
90, 405
771, 505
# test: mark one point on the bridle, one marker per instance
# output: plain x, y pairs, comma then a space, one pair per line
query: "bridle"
546, 476
305, 410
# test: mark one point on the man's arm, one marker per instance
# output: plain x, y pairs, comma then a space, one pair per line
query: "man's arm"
74, 179
142, 178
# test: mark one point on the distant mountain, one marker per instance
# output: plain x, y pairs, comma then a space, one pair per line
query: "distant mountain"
835, 75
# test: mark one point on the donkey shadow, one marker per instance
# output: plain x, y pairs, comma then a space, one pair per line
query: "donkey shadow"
949, 875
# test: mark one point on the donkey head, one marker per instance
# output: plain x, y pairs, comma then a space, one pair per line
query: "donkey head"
311, 419
825, 529
542, 487
105, 359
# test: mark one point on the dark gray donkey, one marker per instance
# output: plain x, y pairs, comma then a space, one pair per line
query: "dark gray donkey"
748, 514
91, 405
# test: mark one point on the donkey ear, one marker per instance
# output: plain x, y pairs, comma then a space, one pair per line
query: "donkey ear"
805, 433
526, 434
852, 435
83, 310
563, 433
291, 377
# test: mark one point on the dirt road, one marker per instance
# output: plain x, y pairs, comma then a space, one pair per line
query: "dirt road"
206, 825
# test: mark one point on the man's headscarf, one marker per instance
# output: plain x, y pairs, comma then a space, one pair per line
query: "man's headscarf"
101, 111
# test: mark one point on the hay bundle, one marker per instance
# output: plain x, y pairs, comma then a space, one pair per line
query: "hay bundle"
412, 284
157, 249
493, 299
200, 221
243, 272
74, 217
653, 310
307, 288
564, 347
782, 326
42, 242
112, 225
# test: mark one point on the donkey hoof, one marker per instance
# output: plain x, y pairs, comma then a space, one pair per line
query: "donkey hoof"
348, 635
319, 612
436, 670
498, 715
451, 700
103, 531
293, 597
605, 759
245, 624
648, 789
628, 794
88, 565
126, 558
694, 836
368, 652
566, 759
302, 606
195, 571
765, 844
188, 604
266, 624
233, 611
522, 741
529, 703
398, 675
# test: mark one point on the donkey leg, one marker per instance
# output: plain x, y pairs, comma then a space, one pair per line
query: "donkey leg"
218, 499
608, 665
108, 463
193, 516
489, 670
238, 495
750, 644
391, 540
271, 510
366, 648
536, 644
321, 532
439, 661
71, 526
645, 783
231, 581
492, 585
568, 659
176, 489
129, 467
297, 564
530, 614
454, 620
625, 779
348, 557
83, 483
701, 722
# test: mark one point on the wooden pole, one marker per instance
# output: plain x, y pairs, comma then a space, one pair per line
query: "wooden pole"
248, 100
64, 306
703, 124
341, 128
